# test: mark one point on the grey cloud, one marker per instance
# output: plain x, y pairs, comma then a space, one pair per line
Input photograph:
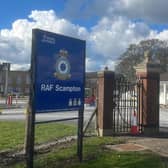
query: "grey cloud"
86, 8
152, 11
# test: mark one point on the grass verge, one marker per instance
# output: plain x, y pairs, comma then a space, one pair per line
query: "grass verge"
12, 133
95, 156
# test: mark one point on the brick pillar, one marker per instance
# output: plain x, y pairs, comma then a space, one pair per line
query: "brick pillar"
149, 74
105, 102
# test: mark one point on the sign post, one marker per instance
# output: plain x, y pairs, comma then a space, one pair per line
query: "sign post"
29, 141
57, 81
80, 135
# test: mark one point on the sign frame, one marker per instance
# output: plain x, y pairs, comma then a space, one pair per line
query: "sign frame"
32, 109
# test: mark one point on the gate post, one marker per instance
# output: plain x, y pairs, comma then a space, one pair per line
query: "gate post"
105, 102
149, 74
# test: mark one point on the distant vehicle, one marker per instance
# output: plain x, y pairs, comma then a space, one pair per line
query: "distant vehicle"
90, 100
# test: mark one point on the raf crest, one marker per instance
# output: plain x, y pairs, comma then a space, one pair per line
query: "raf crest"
62, 66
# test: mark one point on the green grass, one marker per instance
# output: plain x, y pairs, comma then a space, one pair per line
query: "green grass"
122, 160
12, 134
96, 156
50, 132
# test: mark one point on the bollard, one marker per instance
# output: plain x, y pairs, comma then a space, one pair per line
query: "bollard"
9, 102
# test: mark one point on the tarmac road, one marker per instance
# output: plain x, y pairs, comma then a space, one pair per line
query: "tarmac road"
20, 114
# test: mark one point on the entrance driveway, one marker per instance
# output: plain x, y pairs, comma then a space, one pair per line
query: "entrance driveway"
157, 145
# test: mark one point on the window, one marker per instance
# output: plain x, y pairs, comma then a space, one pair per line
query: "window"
166, 88
27, 90
27, 79
9, 80
19, 80
166, 91
161, 88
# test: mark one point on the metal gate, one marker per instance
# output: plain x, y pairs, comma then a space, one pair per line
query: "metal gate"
126, 99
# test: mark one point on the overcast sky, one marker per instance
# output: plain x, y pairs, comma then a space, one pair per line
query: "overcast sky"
108, 26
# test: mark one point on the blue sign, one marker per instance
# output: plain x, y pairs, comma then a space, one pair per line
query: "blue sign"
58, 67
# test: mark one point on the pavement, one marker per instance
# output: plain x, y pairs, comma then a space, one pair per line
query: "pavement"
157, 145
20, 103
132, 144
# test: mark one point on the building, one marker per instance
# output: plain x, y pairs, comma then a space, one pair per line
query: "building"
13, 82
91, 84
164, 88
18, 82
4, 73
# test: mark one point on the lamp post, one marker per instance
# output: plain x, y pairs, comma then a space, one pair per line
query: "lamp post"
6, 69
